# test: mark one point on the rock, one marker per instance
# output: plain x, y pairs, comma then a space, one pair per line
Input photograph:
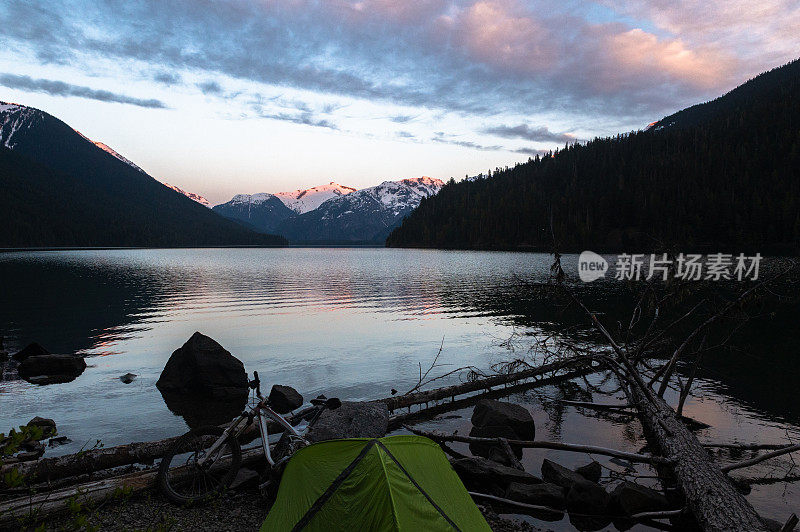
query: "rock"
28, 456
51, 369
284, 399
203, 367
544, 494
48, 426
484, 475
351, 420
61, 440
591, 471
629, 498
244, 478
772, 524
491, 413
33, 446
128, 378
588, 505
3, 356
493, 451
560, 475
31, 350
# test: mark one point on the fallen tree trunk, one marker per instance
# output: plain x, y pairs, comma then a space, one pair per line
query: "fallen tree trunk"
42, 505
72, 465
448, 392
456, 404
710, 495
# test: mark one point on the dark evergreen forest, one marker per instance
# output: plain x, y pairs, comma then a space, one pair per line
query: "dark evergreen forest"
724, 175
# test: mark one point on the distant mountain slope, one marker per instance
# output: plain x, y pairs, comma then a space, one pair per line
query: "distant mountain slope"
45, 162
191, 195
263, 211
304, 200
720, 176
367, 215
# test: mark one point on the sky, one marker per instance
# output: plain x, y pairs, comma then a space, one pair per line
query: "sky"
245, 96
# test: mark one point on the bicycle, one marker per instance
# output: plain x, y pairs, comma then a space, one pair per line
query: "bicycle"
207, 458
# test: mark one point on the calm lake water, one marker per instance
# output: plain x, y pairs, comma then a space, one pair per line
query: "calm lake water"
352, 323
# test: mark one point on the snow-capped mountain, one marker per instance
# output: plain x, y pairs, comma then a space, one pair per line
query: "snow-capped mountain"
367, 215
348, 215
302, 201
191, 195
263, 212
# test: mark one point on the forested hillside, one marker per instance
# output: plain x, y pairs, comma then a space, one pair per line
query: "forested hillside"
59, 189
724, 175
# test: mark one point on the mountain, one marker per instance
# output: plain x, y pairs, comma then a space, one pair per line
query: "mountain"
720, 176
262, 212
61, 189
347, 216
191, 195
302, 201
366, 215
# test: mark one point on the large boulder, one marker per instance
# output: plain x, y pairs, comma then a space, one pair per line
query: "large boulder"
560, 475
31, 350
488, 476
203, 367
351, 420
51, 369
588, 504
491, 413
544, 494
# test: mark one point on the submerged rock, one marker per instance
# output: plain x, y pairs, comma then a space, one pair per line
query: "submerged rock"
128, 378
31, 350
51, 369
203, 367
351, 420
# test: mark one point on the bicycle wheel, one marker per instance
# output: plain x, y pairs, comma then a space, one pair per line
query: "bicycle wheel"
183, 481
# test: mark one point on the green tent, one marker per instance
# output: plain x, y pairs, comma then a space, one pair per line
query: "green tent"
402, 483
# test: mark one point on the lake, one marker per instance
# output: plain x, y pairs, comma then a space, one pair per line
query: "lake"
348, 322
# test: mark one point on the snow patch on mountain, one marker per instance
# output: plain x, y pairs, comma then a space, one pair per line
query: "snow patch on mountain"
191, 195
305, 200
394, 196
13, 118
108, 149
251, 199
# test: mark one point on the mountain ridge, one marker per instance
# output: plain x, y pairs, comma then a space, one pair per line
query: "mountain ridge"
141, 210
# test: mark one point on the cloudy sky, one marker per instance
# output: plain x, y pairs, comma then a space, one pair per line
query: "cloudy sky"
222, 97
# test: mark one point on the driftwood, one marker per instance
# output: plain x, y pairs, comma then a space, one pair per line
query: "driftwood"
536, 508
41, 505
710, 495
73, 465
428, 412
483, 384
758, 459
530, 444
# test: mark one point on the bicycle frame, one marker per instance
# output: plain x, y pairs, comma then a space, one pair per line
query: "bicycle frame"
261, 411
